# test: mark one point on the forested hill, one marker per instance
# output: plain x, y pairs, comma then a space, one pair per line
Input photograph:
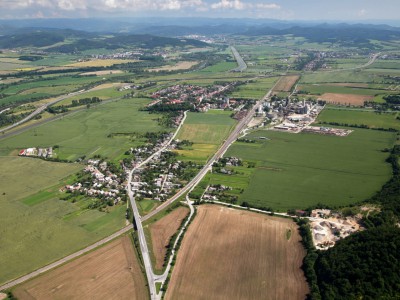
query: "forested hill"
364, 266
81, 41
343, 33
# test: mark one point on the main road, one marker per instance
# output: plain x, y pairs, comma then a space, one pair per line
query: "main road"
143, 245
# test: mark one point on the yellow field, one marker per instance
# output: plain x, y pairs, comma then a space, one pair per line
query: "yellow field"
100, 63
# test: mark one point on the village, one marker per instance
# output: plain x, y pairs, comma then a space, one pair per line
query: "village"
202, 98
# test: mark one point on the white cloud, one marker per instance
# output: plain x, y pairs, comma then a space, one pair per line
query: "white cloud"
267, 6
362, 13
238, 5
228, 4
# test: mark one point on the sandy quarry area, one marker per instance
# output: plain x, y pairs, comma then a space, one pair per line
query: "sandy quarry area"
327, 227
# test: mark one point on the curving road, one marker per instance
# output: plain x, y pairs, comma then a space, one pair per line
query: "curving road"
232, 137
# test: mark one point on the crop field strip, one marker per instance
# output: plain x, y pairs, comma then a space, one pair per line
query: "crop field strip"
269, 264
207, 131
161, 232
110, 272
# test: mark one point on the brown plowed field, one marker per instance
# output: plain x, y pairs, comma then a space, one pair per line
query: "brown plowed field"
162, 231
286, 83
345, 98
111, 272
235, 254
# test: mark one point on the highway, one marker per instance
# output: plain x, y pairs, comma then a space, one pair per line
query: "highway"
41, 109
241, 64
143, 245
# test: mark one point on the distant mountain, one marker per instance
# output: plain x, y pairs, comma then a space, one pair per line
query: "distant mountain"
33, 37
333, 32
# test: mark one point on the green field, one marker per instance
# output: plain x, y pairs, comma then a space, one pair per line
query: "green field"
37, 228
254, 90
354, 117
25, 91
207, 131
301, 170
321, 88
87, 132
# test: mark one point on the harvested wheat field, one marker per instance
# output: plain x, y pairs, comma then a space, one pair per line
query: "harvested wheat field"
286, 83
349, 99
111, 272
162, 231
236, 254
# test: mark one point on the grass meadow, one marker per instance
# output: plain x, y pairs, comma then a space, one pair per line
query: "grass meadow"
356, 117
38, 228
301, 170
87, 132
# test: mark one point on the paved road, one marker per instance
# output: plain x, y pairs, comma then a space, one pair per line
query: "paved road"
373, 58
232, 138
151, 277
41, 109
57, 263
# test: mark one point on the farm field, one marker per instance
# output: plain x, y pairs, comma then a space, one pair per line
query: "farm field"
37, 227
286, 83
346, 99
100, 63
87, 132
207, 131
110, 272
238, 255
254, 90
161, 232
371, 119
337, 89
38, 89
292, 170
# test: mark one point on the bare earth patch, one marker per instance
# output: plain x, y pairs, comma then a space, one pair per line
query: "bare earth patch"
183, 65
235, 254
163, 230
111, 272
286, 83
345, 98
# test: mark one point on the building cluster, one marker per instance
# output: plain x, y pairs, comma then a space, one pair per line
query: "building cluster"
37, 152
292, 116
327, 130
160, 177
202, 97
328, 227
137, 86
120, 55
102, 183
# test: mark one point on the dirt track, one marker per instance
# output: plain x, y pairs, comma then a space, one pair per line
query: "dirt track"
111, 272
235, 254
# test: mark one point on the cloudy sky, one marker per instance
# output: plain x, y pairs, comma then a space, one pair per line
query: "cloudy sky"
277, 9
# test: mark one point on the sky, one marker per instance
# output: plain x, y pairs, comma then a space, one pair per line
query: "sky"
353, 10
